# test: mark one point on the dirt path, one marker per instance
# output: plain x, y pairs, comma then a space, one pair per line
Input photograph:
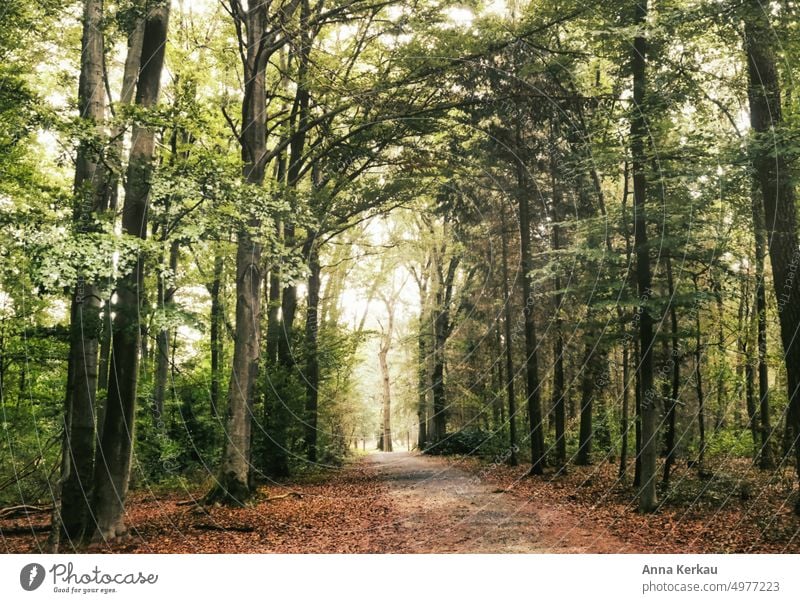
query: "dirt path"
449, 510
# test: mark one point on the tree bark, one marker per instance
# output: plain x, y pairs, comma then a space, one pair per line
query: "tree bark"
532, 385
588, 380
233, 483
312, 342
701, 407
85, 316
649, 434
111, 476
766, 460
674, 362
441, 332
624, 419
771, 164
383, 352
508, 347
215, 334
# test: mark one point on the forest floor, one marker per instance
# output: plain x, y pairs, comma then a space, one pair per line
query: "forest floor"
406, 503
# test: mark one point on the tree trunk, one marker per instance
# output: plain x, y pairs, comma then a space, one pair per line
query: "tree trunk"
698, 381
649, 413
771, 165
532, 385
637, 420
312, 339
558, 354
215, 335
111, 476
233, 483
85, 316
777, 192
508, 347
588, 378
383, 352
674, 362
441, 332
766, 460
422, 378
624, 426
437, 379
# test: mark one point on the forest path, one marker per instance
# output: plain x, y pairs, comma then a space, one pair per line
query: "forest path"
450, 510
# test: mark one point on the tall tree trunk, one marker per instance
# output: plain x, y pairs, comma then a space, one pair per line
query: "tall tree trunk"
130, 76
674, 362
771, 164
233, 483
558, 345
312, 343
422, 378
722, 389
624, 426
111, 476
701, 403
298, 120
766, 460
532, 385
85, 316
508, 347
745, 372
437, 377
441, 332
584, 456
649, 413
383, 352
276, 457
623, 456
215, 334
637, 420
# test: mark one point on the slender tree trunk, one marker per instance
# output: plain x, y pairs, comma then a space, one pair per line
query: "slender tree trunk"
233, 478
383, 352
312, 342
437, 379
623, 456
722, 389
215, 334
422, 379
508, 347
105, 348
698, 381
742, 336
588, 378
441, 332
114, 154
675, 366
766, 460
649, 413
771, 164
532, 385
745, 368
111, 476
624, 426
85, 316
637, 420
558, 366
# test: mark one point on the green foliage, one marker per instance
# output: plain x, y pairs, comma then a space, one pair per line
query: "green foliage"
470, 442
